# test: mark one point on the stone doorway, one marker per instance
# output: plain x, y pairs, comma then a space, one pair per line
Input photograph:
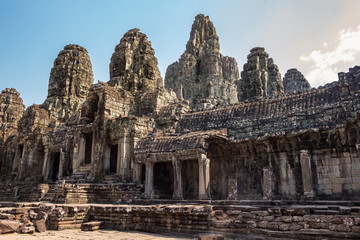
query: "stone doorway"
142, 174
113, 159
163, 180
88, 147
54, 166
40, 153
190, 179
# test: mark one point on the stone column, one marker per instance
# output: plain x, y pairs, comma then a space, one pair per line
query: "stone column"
61, 163
204, 177
123, 155
267, 183
137, 172
46, 163
107, 155
149, 180
16, 159
81, 156
75, 157
306, 173
178, 190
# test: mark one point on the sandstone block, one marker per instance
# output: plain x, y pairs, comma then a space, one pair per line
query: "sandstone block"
7, 216
211, 236
284, 227
295, 227
40, 225
9, 226
90, 226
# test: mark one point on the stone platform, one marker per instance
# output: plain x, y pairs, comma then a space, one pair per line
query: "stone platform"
233, 219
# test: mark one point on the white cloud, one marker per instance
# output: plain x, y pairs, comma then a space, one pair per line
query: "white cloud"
326, 64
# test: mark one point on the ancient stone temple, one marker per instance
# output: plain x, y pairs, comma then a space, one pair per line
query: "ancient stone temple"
203, 76
209, 152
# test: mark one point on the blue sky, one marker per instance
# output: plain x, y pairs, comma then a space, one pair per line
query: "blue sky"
320, 38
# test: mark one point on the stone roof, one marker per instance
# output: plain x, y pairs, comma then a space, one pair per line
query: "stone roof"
186, 141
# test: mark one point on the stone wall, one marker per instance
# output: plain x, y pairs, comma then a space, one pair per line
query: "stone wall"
247, 219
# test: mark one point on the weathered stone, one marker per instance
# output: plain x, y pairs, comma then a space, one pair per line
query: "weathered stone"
90, 226
355, 229
27, 228
273, 225
69, 82
295, 227
11, 110
284, 227
7, 216
294, 81
40, 225
133, 65
9, 226
210, 236
260, 77
202, 75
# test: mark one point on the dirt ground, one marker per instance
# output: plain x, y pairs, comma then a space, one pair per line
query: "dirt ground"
83, 235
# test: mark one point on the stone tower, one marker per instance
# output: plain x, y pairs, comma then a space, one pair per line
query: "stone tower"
11, 110
260, 78
133, 65
202, 75
69, 82
295, 81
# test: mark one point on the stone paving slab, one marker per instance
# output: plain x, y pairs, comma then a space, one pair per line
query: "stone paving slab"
96, 235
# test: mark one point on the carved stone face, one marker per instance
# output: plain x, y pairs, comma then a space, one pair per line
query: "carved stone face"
133, 65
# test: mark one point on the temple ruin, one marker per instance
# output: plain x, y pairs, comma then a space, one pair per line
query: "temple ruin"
238, 155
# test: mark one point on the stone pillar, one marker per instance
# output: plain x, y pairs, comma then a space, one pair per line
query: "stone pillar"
17, 159
107, 154
306, 173
178, 190
267, 183
75, 161
123, 155
137, 172
61, 163
204, 177
149, 180
46, 163
81, 156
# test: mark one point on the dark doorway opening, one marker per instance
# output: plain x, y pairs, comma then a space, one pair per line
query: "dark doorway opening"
190, 179
113, 159
142, 174
55, 166
163, 180
88, 147
21, 149
40, 160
